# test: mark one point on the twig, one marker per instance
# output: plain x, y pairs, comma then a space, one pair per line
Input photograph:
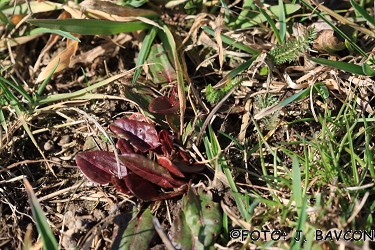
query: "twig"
167, 243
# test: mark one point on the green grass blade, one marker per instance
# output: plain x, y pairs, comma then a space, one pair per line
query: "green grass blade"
212, 150
58, 97
240, 68
297, 185
279, 39
4, 19
349, 131
244, 11
282, 22
144, 51
298, 96
348, 67
170, 45
44, 83
3, 123
236, 142
363, 13
18, 88
57, 32
368, 154
226, 10
367, 70
90, 26
297, 245
254, 19
232, 42
49, 241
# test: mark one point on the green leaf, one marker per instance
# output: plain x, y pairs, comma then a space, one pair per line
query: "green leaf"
90, 26
138, 233
49, 241
135, 3
161, 69
199, 222
4, 19
322, 89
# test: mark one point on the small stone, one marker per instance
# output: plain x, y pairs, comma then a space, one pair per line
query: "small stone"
65, 139
49, 145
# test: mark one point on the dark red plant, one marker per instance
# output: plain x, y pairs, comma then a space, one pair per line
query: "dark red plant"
140, 143
168, 106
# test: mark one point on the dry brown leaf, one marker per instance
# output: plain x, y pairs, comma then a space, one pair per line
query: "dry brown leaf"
326, 41
199, 21
219, 45
63, 58
108, 48
17, 18
17, 41
51, 41
116, 13
37, 7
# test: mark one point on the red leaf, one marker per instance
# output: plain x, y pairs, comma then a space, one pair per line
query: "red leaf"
124, 146
165, 162
149, 170
187, 168
141, 188
163, 105
144, 131
98, 166
141, 118
132, 139
120, 185
166, 143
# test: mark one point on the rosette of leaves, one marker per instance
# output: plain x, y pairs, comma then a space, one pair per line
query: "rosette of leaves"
199, 222
293, 48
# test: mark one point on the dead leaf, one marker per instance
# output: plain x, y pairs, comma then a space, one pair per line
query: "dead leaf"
51, 41
63, 58
326, 41
219, 45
